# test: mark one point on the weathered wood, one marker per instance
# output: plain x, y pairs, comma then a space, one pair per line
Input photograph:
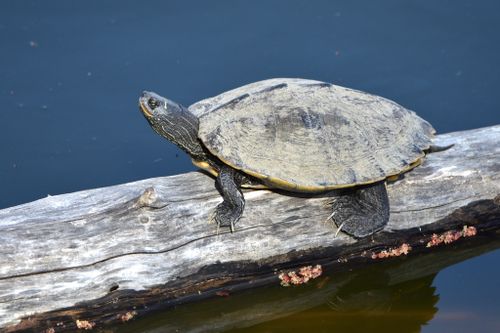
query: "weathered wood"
97, 255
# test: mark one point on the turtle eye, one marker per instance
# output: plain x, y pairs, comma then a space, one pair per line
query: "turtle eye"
153, 103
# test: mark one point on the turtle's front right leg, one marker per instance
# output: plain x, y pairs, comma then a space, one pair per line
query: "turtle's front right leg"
229, 211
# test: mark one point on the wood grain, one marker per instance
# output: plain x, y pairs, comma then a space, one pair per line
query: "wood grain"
98, 254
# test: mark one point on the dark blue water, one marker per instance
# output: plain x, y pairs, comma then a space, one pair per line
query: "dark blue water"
71, 73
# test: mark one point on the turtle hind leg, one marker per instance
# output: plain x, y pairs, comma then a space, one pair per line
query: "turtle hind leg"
229, 211
363, 211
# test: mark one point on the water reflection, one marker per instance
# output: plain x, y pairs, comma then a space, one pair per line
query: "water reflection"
403, 307
389, 297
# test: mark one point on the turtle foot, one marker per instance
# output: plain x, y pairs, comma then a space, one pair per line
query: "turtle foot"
226, 216
361, 212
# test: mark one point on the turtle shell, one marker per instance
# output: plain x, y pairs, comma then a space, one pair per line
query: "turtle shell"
309, 136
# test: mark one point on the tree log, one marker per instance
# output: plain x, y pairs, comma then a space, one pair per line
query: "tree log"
103, 256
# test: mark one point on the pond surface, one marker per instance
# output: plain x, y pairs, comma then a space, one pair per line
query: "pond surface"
71, 73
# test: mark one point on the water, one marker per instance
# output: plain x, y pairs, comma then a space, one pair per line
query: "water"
71, 73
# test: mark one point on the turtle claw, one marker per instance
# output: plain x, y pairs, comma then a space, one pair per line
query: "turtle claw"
221, 217
211, 217
338, 229
330, 218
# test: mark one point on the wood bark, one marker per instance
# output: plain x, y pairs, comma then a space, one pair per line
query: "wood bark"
104, 255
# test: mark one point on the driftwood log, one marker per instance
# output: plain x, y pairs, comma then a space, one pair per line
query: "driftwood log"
105, 256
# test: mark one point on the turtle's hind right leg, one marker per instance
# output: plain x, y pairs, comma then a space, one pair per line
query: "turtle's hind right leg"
361, 211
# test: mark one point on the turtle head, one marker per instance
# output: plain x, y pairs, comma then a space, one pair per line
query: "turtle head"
155, 107
172, 121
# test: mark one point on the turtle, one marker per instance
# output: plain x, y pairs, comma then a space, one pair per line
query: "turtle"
297, 136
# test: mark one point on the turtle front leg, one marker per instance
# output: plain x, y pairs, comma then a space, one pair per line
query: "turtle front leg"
229, 211
363, 211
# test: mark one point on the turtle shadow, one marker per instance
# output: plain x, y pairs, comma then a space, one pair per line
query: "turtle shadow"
304, 195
